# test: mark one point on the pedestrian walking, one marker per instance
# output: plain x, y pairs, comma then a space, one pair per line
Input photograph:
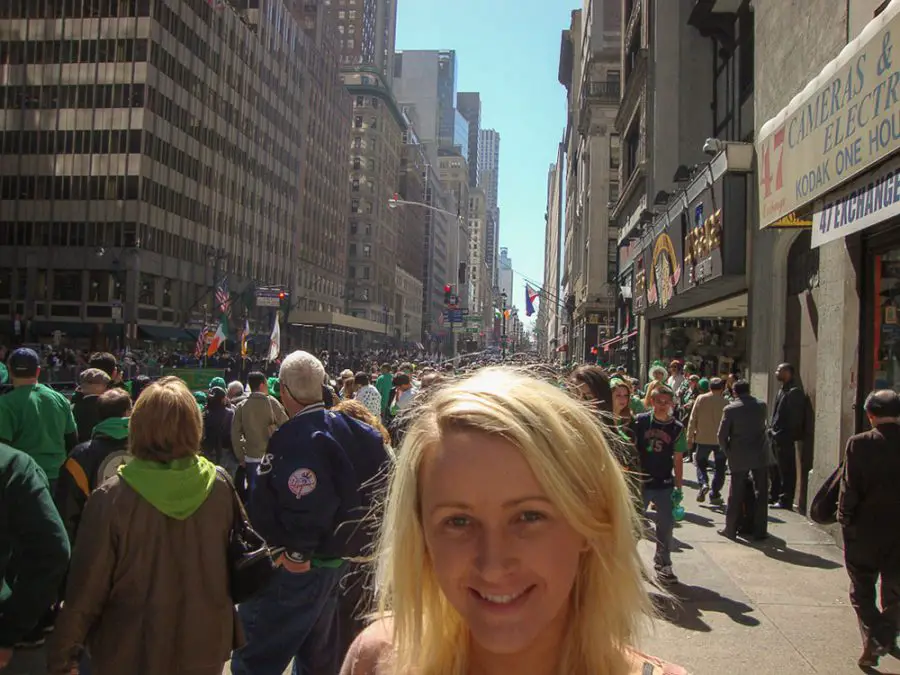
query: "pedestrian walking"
35, 418
148, 590
742, 439
868, 511
254, 422
507, 544
661, 444
316, 483
703, 440
34, 555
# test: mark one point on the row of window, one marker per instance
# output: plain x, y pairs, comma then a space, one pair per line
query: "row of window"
68, 187
127, 141
73, 9
114, 141
73, 51
123, 235
166, 109
78, 96
176, 71
237, 38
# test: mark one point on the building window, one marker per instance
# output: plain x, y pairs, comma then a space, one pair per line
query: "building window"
67, 286
632, 144
367, 251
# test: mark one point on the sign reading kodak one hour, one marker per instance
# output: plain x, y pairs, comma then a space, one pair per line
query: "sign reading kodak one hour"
843, 122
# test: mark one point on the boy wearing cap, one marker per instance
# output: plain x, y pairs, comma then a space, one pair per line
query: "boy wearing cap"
35, 418
91, 383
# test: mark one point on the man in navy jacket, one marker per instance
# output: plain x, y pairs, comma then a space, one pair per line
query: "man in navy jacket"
316, 484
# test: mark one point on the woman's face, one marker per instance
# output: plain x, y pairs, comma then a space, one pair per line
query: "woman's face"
503, 554
620, 399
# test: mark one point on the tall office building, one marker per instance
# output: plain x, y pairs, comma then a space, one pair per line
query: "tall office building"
489, 171
367, 31
425, 86
469, 106
147, 150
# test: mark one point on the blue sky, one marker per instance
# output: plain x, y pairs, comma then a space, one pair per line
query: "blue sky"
509, 51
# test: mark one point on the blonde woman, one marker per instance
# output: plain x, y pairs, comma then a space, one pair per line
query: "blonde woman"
147, 592
508, 542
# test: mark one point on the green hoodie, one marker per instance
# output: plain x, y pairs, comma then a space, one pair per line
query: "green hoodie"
177, 488
112, 427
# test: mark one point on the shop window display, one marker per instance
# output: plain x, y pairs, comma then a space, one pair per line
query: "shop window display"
718, 347
886, 352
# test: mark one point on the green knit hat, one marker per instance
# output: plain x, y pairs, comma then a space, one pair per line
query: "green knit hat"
703, 385
217, 382
274, 387
200, 397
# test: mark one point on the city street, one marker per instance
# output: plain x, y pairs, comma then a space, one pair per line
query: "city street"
778, 606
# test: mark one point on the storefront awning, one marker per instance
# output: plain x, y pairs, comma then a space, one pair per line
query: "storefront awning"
620, 338
834, 129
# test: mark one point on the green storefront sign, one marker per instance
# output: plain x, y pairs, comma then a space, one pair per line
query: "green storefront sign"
197, 379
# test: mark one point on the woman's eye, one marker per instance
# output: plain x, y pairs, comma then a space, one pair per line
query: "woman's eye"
532, 516
457, 521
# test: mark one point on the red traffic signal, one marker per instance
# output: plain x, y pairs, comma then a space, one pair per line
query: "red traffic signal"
447, 288
282, 295
448, 293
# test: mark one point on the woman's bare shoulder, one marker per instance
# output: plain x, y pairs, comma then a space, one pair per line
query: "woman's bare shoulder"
371, 650
642, 664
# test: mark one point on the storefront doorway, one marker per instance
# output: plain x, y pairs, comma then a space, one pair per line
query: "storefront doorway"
801, 342
712, 337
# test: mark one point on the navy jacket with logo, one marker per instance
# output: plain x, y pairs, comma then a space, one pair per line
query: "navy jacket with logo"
317, 482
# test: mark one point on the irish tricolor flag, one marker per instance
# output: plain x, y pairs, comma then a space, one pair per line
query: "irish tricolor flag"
219, 338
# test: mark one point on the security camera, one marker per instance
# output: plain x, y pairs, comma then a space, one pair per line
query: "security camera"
713, 146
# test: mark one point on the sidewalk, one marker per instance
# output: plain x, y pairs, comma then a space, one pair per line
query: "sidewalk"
777, 606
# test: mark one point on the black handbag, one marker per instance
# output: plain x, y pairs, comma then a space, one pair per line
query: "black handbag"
250, 561
824, 506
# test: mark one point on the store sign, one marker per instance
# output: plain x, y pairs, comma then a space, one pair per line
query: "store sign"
703, 234
867, 201
845, 121
639, 288
664, 265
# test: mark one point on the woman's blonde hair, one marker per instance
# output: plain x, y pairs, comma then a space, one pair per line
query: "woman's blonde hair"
360, 412
165, 423
566, 448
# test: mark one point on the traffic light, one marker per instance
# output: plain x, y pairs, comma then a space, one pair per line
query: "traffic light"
284, 302
448, 293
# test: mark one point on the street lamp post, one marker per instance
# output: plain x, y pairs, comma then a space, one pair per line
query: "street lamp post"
503, 326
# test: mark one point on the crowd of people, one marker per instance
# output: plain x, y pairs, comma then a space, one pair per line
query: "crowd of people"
421, 517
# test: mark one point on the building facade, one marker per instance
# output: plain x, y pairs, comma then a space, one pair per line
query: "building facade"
662, 134
823, 264
142, 164
489, 177
590, 69
549, 319
376, 146
408, 309
366, 34
469, 106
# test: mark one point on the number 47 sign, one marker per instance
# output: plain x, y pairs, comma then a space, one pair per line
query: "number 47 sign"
771, 170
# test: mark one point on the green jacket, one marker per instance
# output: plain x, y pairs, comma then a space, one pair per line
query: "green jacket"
34, 547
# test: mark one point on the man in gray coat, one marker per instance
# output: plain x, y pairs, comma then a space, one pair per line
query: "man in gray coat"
742, 437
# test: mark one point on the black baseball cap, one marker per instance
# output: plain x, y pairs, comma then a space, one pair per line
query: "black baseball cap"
24, 362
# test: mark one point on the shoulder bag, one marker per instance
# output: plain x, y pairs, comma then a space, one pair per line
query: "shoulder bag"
250, 562
824, 506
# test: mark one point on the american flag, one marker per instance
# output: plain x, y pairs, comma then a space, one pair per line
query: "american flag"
201, 342
222, 297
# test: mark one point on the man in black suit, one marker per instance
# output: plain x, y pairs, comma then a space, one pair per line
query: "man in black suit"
787, 429
742, 437
868, 511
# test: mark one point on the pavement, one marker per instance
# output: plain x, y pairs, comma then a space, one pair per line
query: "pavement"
776, 606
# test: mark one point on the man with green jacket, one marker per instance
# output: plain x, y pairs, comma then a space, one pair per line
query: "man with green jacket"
34, 553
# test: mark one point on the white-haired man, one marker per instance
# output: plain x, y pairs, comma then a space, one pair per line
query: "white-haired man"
236, 394
315, 483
